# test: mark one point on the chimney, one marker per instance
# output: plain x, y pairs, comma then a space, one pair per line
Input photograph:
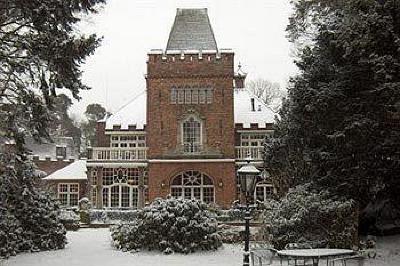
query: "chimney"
239, 77
253, 109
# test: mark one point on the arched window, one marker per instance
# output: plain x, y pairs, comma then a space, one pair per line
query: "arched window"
191, 135
193, 185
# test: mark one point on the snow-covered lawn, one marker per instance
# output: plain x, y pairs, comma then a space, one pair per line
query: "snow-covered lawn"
91, 247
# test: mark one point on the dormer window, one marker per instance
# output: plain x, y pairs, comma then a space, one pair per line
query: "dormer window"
191, 135
61, 152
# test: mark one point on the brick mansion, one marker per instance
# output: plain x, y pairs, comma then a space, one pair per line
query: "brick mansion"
185, 136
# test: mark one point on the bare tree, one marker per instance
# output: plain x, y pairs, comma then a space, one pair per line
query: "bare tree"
266, 90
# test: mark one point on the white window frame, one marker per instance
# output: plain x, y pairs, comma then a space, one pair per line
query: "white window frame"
200, 143
68, 193
183, 186
209, 95
174, 96
264, 185
181, 96
128, 141
117, 183
202, 96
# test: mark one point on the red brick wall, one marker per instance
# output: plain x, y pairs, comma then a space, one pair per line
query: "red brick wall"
102, 139
52, 186
222, 174
163, 118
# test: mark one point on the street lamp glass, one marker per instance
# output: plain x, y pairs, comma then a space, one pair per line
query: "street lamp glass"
248, 178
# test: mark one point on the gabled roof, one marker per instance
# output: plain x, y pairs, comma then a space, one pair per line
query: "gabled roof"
131, 114
134, 113
191, 31
73, 171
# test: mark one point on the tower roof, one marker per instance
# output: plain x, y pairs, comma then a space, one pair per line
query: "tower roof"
191, 31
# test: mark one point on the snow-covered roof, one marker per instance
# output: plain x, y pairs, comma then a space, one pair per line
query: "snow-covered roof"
73, 171
134, 113
131, 114
244, 114
47, 149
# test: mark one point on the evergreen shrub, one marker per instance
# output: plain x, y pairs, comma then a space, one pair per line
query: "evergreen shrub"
169, 225
315, 218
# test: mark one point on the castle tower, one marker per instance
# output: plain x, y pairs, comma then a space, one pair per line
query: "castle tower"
190, 116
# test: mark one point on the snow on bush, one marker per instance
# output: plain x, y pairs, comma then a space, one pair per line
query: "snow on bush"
315, 218
28, 216
169, 225
69, 219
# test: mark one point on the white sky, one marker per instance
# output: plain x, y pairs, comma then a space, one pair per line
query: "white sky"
254, 29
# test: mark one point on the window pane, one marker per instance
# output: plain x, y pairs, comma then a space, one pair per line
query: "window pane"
195, 96
209, 95
73, 200
202, 96
115, 196
191, 135
134, 197
181, 96
188, 96
63, 188
173, 95
176, 192
63, 199
105, 197
208, 194
124, 196
94, 196
74, 188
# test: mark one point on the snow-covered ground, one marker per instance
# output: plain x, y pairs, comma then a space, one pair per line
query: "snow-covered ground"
91, 247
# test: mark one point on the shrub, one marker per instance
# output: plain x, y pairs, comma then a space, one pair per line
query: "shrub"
315, 218
170, 225
69, 219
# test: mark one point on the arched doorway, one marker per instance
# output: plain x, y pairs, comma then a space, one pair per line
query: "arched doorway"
193, 185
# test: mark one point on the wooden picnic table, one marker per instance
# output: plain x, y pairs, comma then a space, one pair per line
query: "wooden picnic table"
313, 254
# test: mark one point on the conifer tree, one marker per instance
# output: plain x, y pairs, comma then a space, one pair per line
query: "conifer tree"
339, 127
40, 54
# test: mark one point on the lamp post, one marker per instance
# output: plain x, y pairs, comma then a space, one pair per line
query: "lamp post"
248, 178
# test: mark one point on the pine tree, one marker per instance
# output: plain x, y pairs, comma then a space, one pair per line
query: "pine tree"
339, 127
40, 54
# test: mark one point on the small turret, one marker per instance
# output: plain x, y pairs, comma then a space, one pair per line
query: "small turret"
239, 77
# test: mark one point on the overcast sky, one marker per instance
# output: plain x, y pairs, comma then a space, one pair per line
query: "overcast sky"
254, 29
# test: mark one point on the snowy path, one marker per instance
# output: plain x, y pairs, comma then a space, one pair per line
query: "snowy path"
91, 247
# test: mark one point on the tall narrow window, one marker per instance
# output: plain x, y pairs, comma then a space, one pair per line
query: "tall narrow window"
191, 132
209, 93
181, 96
188, 96
202, 96
173, 95
195, 96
